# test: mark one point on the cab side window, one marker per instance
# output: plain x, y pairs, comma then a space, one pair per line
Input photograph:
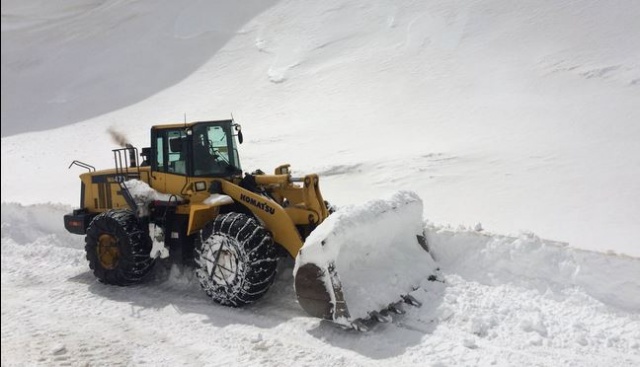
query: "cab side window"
177, 152
171, 152
218, 139
160, 154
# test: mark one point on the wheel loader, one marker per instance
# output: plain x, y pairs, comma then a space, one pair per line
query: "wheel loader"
230, 227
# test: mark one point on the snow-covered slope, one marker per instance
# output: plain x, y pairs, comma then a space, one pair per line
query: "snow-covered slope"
519, 115
67, 61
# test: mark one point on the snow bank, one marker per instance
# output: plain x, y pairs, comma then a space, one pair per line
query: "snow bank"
34, 237
531, 262
26, 224
375, 251
506, 301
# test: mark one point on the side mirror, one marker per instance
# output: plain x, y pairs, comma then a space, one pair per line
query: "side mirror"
238, 128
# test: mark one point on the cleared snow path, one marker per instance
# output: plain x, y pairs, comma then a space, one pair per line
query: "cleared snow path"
506, 301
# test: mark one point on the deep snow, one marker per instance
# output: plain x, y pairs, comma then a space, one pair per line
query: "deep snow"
505, 301
519, 118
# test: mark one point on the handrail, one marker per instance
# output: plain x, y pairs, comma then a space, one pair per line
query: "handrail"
126, 169
86, 166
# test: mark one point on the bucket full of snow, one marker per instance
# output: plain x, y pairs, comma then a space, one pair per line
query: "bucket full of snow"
363, 258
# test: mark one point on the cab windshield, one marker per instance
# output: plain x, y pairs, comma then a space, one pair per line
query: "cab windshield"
214, 150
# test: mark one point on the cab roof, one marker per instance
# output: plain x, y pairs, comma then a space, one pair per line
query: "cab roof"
188, 124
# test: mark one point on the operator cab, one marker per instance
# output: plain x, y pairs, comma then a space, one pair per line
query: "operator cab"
199, 149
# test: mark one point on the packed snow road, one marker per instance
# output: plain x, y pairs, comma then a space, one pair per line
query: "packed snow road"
505, 301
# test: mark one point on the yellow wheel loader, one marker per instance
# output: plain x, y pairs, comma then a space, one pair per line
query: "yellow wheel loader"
230, 227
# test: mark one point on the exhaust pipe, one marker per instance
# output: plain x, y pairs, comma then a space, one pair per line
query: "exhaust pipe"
132, 155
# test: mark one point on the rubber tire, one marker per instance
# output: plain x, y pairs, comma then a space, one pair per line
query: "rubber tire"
256, 259
134, 246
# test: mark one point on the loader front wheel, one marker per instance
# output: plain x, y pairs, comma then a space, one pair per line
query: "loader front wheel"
236, 259
118, 248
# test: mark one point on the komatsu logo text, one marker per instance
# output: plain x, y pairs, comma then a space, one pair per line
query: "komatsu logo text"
257, 204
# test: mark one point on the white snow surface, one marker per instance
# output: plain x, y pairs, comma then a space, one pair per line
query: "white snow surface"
218, 199
521, 116
379, 234
515, 122
144, 194
505, 301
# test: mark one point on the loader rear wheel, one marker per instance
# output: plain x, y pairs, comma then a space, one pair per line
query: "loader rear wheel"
236, 259
118, 248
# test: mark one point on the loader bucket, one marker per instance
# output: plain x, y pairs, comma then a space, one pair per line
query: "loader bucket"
362, 259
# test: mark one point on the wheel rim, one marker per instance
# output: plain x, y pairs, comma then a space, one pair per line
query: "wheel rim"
108, 251
221, 261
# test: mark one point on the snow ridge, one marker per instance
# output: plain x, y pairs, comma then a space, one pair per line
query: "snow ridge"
539, 264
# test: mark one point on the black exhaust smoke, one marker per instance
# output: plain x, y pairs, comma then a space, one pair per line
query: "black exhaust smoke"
120, 139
